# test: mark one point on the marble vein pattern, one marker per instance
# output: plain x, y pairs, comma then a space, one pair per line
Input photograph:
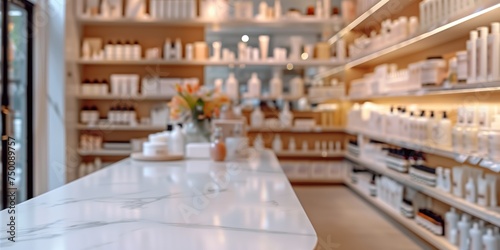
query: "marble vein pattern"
190, 204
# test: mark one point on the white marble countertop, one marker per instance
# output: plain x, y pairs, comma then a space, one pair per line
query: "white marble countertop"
192, 204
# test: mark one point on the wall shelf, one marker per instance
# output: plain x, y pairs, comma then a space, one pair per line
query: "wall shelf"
111, 127
104, 152
379, 9
200, 22
296, 130
433, 91
302, 63
121, 98
439, 242
409, 145
441, 35
487, 214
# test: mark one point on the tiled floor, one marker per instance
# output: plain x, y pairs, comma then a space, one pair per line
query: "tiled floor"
343, 220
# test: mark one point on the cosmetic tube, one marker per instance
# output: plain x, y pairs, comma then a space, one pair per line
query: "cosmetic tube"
264, 47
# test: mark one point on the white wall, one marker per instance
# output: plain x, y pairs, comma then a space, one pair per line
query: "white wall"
49, 86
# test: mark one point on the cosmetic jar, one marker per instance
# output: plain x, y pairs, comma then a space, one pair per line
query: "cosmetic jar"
433, 71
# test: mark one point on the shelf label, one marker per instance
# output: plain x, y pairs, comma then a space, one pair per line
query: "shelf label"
474, 160
461, 158
495, 167
486, 163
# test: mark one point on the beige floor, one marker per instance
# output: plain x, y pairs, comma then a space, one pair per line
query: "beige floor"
343, 220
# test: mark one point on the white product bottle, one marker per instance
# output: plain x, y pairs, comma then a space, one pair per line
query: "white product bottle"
86, 50
277, 143
492, 184
318, 12
464, 230
494, 52
447, 180
297, 87
482, 54
178, 49
470, 190
177, 141
432, 129
276, 86
286, 116
262, 10
254, 86
451, 220
167, 47
257, 117
258, 143
291, 145
490, 241
232, 87
422, 122
483, 194
277, 9
327, 8
82, 170
472, 57
444, 135
476, 242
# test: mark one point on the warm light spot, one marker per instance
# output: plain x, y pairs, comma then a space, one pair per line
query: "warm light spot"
245, 38
289, 66
304, 56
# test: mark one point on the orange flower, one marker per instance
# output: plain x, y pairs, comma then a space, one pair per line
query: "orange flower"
189, 89
178, 88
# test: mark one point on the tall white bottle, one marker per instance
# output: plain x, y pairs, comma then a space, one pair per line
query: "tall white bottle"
232, 87
297, 87
451, 220
276, 85
254, 85
482, 54
490, 241
277, 9
177, 141
257, 117
476, 241
494, 52
472, 57
464, 230
277, 143
286, 116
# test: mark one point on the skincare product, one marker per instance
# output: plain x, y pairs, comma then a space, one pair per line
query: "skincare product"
254, 86
277, 143
286, 116
257, 117
493, 188
276, 86
470, 190
472, 57
291, 144
482, 55
475, 238
459, 178
264, 47
494, 52
483, 193
490, 242
232, 87
464, 231
451, 219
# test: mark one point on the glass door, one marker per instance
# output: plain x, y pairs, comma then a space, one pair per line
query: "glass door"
17, 108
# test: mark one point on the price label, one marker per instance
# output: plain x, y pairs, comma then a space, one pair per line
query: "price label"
486, 163
474, 160
461, 158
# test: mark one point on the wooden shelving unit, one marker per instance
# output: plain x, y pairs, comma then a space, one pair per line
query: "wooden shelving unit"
439, 242
113, 127
301, 63
487, 214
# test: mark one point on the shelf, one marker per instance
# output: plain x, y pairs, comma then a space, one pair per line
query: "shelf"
302, 63
409, 145
110, 127
446, 33
299, 153
487, 214
200, 22
104, 152
433, 91
381, 7
439, 242
296, 130
119, 97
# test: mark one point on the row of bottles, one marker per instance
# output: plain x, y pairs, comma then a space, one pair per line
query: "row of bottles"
257, 118
254, 87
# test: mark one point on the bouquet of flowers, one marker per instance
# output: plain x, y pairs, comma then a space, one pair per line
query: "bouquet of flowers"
197, 105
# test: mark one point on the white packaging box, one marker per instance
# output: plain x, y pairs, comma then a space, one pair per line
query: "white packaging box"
133, 87
167, 86
115, 84
149, 86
